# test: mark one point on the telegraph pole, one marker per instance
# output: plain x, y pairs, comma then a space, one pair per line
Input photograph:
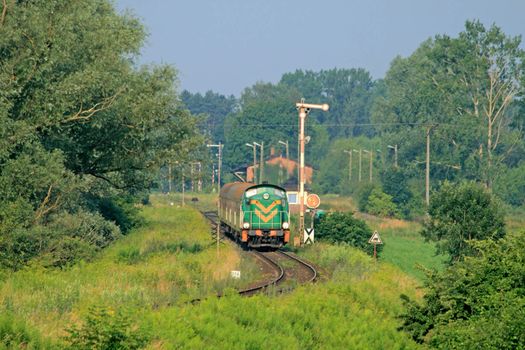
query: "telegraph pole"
261, 160
252, 145
286, 145
169, 177
349, 164
360, 162
370, 153
394, 147
219, 146
183, 184
304, 109
427, 170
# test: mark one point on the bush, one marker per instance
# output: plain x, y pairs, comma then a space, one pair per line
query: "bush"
91, 228
120, 210
478, 303
339, 227
105, 328
380, 203
19, 246
66, 251
363, 194
15, 334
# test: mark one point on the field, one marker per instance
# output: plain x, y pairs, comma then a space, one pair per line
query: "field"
156, 270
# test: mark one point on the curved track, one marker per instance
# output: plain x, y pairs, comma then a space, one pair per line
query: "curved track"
288, 269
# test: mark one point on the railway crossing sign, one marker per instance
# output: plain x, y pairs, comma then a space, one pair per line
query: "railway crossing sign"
308, 235
375, 239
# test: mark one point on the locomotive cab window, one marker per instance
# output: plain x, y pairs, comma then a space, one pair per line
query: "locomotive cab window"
292, 198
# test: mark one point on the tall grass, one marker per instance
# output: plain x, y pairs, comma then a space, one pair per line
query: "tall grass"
155, 270
169, 261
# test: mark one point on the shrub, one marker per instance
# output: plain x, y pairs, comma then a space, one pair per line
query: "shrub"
339, 227
91, 228
15, 334
363, 194
380, 203
105, 328
478, 303
121, 211
19, 246
66, 251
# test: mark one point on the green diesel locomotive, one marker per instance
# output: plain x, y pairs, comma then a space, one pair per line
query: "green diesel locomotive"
255, 215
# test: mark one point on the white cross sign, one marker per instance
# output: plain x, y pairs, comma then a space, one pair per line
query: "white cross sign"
308, 235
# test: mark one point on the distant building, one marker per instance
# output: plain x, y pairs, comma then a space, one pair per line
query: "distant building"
290, 182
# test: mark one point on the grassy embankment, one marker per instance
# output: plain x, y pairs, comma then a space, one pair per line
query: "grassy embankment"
404, 246
156, 268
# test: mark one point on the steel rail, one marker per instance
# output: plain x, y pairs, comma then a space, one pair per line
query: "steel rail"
302, 262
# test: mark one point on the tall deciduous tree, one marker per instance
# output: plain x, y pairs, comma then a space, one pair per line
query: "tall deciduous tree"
461, 214
78, 119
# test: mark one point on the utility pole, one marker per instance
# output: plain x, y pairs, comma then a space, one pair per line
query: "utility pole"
360, 162
191, 177
286, 145
169, 176
349, 164
427, 170
304, 109
252, 145
183, 184
394, 147
219, 146
199, 181
370, 153
261, 160
212, 175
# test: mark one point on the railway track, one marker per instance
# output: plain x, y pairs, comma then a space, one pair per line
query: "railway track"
288, 269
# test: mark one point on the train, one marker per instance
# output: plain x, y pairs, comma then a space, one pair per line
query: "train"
255, 215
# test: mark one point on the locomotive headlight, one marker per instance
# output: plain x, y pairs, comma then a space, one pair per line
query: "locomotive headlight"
246, 225
286, 225
266, 196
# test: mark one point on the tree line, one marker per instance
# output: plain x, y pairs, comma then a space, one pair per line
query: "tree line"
464, 92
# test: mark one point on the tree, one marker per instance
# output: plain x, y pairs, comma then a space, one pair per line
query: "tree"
215, 107
80, 123
349, 92
469, 89
461, 214
477, 303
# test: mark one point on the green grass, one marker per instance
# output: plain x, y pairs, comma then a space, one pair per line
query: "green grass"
356, 309
153, 272
167, 262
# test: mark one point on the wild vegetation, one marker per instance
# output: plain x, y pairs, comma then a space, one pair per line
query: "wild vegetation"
88, 260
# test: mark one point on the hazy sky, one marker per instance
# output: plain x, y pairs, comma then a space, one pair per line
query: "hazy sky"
227, 45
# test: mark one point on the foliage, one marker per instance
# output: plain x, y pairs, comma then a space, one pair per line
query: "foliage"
510, 186
381, 204
460, 214
105, 328
349, 92
16, 334
79, 121
215, 106
485, 293
464, 92
363, 194
339, 227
